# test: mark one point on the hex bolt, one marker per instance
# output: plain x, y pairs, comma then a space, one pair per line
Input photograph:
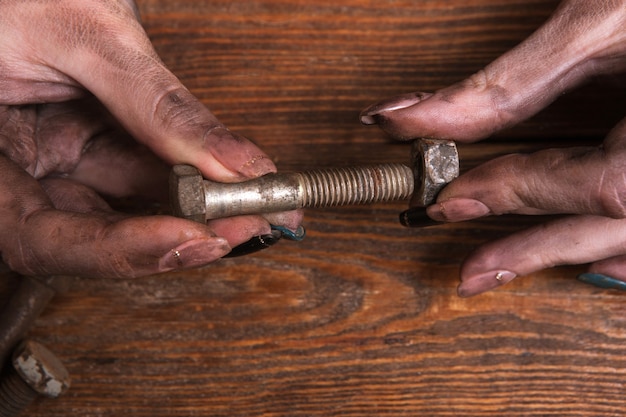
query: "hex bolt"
434, 164
35, 372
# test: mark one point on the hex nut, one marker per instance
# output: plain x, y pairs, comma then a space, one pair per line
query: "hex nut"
435, 164
40, 369
187, 193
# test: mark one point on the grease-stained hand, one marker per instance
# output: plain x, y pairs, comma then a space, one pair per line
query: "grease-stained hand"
582, 39
88, 108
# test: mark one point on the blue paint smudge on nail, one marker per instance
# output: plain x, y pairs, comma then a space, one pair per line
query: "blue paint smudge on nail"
296, 235
602, 281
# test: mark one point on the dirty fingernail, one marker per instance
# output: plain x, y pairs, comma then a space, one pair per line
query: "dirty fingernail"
369, 115
295, 235
417, 217
602, 281
458, 209
484, 282
255, 244
194, 253
238, 153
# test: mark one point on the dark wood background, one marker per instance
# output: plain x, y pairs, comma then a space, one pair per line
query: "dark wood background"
362, 317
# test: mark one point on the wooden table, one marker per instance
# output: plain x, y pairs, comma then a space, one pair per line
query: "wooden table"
362, 317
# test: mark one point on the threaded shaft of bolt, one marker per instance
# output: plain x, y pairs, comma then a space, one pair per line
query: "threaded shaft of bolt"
15, 394
356, 185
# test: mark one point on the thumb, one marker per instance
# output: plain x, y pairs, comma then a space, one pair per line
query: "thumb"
582, 38
113, 58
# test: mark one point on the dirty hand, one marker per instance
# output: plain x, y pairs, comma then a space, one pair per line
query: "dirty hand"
582, 38
78, 79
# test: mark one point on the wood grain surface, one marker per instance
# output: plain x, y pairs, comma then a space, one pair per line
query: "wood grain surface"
361, 318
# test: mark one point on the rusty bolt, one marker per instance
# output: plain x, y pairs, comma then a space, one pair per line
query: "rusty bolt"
434, 164
35, 372
24, 307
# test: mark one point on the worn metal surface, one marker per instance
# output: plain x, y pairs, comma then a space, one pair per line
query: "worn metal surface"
435, 163
20, 312
35, 372
41, 369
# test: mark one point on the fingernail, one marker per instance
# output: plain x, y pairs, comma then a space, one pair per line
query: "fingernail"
457, 210
255, 244
194, 253
484, 282
602, 281
238, 154
417, 217
369, 116
296, 235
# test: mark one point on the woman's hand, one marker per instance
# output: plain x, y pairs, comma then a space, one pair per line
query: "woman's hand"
580, 40
85, 105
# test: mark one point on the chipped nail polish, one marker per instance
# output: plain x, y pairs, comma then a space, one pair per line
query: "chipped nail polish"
295, 235
194, 253
484, 282
255, 244
602, 281
417, 217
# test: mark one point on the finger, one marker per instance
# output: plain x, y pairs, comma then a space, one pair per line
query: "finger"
114, 165
576, 180
580, 40
124, 72
567, 241
68, 195
79, 139
240, 229
39, 239
58, 242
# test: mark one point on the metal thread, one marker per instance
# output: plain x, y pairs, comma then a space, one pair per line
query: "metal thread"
356, 185
15, 394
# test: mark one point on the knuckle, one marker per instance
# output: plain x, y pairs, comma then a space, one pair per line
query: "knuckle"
611, 188
172, 104
612, 195
21, 260
176, 108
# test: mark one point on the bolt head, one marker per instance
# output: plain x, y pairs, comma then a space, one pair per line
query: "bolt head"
435, 164
187, 193
40, 369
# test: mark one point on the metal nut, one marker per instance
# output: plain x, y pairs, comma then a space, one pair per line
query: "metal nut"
435, 164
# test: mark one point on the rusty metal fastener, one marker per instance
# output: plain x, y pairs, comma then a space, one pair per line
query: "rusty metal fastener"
434, 164
24, 307
35, 372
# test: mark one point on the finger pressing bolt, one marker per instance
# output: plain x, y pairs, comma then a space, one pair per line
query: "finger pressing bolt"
35, 372
434, 164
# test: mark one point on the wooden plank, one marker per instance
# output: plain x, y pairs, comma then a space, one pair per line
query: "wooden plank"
362, 317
